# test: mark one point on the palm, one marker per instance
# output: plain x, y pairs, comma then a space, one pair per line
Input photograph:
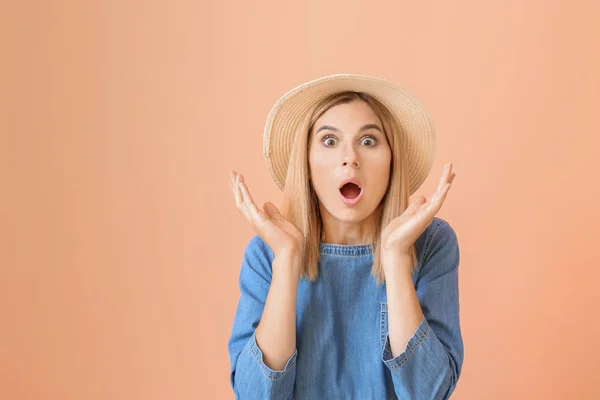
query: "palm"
403, 231
404, 228
278, 228
279, 234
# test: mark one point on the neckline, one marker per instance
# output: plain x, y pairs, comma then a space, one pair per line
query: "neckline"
346, 250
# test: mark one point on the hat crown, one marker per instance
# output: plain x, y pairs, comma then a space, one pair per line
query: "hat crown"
291, 108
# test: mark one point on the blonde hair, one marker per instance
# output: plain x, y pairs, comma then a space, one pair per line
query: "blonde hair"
300, 203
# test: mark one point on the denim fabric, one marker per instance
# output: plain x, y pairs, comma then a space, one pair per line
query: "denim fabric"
342, 343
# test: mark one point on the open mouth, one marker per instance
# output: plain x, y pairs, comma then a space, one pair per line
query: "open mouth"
350, 190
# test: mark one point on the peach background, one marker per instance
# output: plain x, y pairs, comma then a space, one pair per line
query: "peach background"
120, 243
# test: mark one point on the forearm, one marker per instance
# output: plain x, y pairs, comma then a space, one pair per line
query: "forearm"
404, 310
276, 332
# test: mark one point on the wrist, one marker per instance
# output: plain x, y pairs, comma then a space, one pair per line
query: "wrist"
395, 257
396, 263
288, 265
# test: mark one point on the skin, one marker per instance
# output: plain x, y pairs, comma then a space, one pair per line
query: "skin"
345, 151
276, 331
334, 155
404, 310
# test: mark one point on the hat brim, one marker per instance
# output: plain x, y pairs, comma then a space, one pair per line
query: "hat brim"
292, 108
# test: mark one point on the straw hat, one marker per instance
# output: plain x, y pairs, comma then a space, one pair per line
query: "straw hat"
292, 108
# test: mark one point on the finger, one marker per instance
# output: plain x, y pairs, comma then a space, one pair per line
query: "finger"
232, 179
257, 215
234, 187
261, 223
414, 205
447, 178
436, 203
272, 211
239, 201
445, 174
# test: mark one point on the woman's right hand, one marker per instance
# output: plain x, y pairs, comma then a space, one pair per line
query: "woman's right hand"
279, 234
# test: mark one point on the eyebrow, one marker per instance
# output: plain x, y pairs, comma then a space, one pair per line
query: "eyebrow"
363, 128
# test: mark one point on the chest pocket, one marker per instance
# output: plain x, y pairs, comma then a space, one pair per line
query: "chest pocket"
383, 323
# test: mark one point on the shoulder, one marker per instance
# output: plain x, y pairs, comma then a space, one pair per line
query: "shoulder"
439, 244
258, 247
441, 230
258, 256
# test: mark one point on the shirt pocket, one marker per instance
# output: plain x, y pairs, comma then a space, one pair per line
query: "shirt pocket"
383, 323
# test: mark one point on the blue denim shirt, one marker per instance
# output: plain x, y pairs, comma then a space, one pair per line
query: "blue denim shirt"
342, 343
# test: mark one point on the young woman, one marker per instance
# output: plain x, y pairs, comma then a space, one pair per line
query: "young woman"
351, 291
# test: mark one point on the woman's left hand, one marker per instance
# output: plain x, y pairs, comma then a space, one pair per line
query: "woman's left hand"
403, 231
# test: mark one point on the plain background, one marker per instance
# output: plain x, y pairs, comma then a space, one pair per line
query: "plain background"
120, 243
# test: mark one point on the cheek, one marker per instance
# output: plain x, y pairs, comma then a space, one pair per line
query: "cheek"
380, 172
378, 162
321, 164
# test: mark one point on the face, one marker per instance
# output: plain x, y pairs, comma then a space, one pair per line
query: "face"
342, 147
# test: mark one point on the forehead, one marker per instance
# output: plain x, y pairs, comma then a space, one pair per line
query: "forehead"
349, 117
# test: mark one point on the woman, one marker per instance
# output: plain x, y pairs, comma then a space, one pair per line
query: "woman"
351, 291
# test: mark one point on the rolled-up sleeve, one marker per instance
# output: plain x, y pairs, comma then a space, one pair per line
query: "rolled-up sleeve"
250, 377
431, 363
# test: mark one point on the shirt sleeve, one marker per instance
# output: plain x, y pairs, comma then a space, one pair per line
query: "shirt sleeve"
250, 377
432, 360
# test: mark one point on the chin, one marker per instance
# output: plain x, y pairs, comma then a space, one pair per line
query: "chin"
350, 215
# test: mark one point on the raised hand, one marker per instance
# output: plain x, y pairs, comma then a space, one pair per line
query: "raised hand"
404, 230
279, 234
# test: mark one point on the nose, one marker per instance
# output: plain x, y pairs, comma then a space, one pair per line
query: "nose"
353, 162
350, 157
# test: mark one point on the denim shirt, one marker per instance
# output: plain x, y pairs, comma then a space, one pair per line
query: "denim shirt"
342, 343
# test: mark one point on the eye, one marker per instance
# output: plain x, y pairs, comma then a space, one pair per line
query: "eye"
370, 138
328, 139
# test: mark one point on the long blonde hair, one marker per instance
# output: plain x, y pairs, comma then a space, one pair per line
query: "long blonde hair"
300, 203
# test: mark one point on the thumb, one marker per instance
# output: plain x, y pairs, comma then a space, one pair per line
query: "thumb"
272, 211
414, 205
